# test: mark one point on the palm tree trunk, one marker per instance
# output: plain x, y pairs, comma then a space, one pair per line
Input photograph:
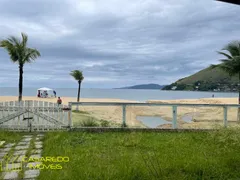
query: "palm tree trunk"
79, 91
20, 85
78, 98
79, 86
238, 116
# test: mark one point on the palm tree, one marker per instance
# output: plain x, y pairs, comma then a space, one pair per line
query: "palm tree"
231, 63
79, 77
21, 54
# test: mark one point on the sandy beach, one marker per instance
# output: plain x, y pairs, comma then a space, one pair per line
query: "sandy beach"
72, 99
204, 117
65, 100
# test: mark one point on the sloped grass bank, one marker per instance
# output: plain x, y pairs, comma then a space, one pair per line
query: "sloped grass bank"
136, 155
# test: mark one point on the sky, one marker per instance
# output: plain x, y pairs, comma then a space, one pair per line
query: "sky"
116, 43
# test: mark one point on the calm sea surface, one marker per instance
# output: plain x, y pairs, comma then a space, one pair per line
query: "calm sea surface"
128, 94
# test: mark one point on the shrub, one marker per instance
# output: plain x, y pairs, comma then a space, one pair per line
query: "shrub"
89, 123
104, 123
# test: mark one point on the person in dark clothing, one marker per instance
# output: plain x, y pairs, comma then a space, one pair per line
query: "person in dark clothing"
39, 94
55, 94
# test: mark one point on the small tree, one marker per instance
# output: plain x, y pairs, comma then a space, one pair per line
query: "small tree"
79, 77
231, 64
21, 54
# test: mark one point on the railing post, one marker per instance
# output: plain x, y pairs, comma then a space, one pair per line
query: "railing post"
124, 115
225, 116
174, 120
70, 115
77, 107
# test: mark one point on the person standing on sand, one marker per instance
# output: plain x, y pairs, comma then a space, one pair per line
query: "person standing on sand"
59, 101
213, 96
39, 94
55, 94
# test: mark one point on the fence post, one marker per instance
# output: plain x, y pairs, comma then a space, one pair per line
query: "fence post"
124, 115
70, 124
225, 116
174, 121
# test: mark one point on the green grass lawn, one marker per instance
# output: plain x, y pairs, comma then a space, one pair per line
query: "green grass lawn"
10, 137
130, 156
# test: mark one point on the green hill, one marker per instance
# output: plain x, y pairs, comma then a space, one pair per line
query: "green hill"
206, 80
144, 86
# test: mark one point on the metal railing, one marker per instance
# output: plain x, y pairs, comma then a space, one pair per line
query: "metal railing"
173, 105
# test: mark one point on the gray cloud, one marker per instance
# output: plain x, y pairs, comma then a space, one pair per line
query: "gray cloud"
116, 43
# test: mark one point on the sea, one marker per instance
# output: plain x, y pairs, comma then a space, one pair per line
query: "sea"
126, 94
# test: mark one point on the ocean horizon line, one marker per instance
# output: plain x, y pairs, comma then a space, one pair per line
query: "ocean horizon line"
124, 89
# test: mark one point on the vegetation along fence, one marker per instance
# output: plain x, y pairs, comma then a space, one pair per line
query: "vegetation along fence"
153, 115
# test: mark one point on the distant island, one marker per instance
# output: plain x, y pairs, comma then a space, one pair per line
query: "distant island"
144, 86
206, 80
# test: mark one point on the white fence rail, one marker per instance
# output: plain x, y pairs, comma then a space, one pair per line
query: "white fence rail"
224, 110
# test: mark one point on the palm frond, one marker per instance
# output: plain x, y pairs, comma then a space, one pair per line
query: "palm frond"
18, 50
17, 43
225, 60
77, 75
10, 48
233, 48
225, 54
228, 68
31, 55
14, 40
24, 39
6, 44
232, 64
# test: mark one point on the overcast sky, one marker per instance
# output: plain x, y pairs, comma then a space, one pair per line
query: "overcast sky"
116, 42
